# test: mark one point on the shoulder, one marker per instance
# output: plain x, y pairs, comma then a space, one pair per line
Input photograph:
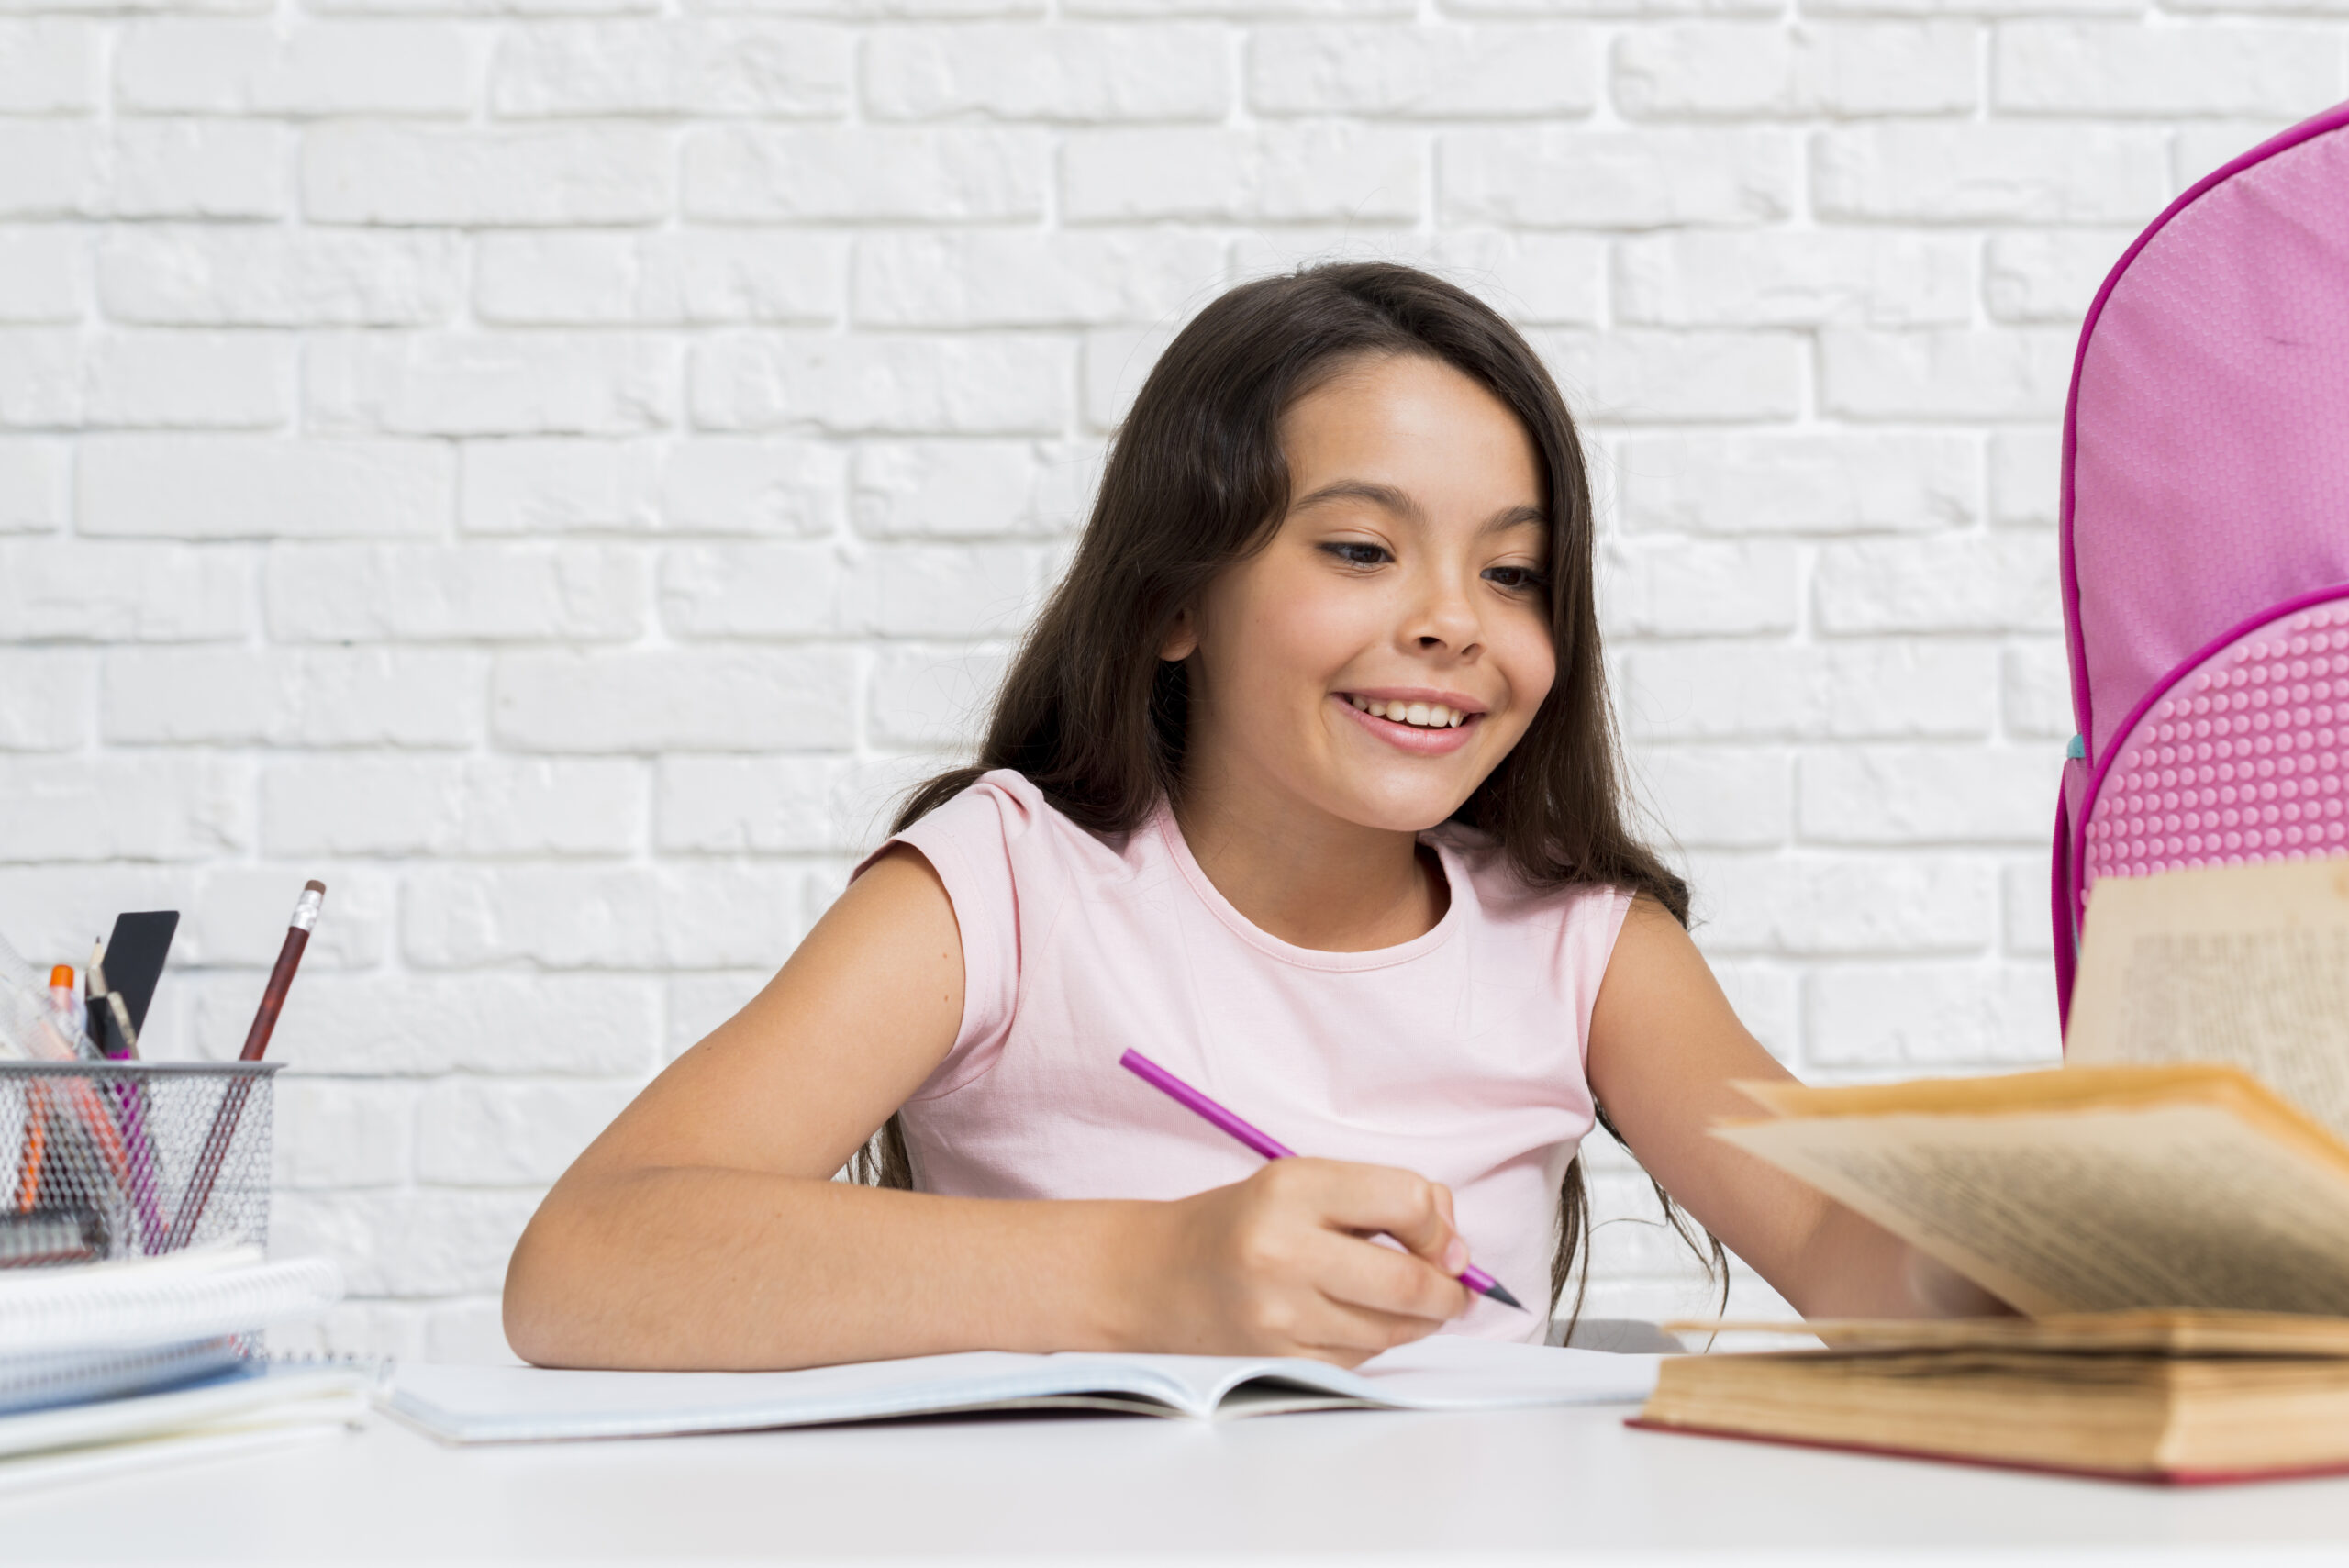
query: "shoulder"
1504, 897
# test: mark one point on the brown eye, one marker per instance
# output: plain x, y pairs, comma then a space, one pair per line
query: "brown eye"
1354, 554
1516, 579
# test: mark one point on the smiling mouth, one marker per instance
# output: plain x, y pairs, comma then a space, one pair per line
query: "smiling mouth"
1418, 715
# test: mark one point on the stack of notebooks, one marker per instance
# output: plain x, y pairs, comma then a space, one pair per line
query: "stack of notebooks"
114, 1364
2169, 1209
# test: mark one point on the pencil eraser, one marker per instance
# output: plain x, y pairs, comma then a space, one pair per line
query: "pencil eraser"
314, 886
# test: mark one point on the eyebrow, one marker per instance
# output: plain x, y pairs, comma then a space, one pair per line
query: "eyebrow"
1386, 497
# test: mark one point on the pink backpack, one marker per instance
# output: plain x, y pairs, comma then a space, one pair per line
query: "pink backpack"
2206, 533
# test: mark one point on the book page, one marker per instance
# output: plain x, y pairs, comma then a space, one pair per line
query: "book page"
2247, 965
2089, 1210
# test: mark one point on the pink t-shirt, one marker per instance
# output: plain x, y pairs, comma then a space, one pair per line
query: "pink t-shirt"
1458, 1054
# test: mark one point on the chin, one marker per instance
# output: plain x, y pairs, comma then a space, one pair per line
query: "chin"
1402, 809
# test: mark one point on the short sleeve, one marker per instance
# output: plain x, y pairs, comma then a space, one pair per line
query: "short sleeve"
970, 844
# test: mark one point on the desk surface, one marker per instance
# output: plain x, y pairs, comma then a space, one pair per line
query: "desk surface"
1396, 1488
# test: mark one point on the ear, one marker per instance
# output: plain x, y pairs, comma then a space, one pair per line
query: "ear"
1182, 640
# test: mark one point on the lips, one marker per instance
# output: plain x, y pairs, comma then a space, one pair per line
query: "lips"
1415, 739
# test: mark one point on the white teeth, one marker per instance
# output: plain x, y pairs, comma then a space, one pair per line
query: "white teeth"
1416, 713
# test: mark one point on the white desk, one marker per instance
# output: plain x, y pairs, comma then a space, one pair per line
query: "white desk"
1567, 1485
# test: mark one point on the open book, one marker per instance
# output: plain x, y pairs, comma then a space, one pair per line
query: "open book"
502, 1404
2171, 1208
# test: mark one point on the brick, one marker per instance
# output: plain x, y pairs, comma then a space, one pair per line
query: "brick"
467, 1332
89, 592
1898, 795
1802, 279
360, 593
559, 485
960, 383
446, 807
991, 278
711, 916
250, 487
34, 485
959, 489
1719, 797
1739, 71
2126, 68
2201, 147
41, 273
1963, 582
1943, 1014
124, 808
2015, 373
184, 66
2036, 689
126, 380
1828, 484
49, 65
1968, 7
409, 1026
1116, 360
483, 7
1765, 996
589, 279
769, 805
1557, 177
1073, 75
1154, 9
412, 1242
340, 1135
1534, 279
485, 384
239, 276
200, 169
50, 169
2025, 474
1990, 172
942, 590
1446, 72
47, 697
929, 698
2050, 276
1518, 9
1276, 173
754, 589
881, 10
763, 175
1637, 376
1699, 588
772, 485
477, 1132
1856, 690
2023, 893
293, 698
397, 174
1823, 902
782, 699
671, 67
236, 918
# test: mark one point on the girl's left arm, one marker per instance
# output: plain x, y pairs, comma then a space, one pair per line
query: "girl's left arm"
1665, 1049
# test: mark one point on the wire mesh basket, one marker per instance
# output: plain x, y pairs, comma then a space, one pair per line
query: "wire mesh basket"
131, 1159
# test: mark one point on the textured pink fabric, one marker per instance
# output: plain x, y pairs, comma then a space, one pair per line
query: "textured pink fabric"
1458, 1054
2211, 425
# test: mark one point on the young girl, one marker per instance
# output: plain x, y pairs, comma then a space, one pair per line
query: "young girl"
1303, 784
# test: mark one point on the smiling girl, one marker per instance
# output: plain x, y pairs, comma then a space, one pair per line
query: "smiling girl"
1303, 784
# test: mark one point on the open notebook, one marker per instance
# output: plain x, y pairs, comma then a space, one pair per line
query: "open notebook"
488, 1404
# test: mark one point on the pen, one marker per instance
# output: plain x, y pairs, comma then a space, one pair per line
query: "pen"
1190, 1099
232, 1101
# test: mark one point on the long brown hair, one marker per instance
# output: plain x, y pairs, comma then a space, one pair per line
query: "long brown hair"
1195, 481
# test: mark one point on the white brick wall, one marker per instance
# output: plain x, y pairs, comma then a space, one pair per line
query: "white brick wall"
552, 468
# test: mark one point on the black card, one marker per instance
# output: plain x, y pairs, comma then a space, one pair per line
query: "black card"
134, 962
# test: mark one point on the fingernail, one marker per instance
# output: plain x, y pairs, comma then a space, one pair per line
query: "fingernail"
1456, 1257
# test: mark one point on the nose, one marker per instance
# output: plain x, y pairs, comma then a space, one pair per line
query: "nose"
1444, 616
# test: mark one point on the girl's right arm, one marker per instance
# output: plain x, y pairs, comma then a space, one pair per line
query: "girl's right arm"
703, 1228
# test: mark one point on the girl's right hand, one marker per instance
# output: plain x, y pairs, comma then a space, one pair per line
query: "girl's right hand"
1283, 1264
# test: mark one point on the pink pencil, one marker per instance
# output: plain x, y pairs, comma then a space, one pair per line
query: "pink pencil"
1263, 1143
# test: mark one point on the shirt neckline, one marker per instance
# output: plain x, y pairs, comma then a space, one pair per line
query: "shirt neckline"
1170, 833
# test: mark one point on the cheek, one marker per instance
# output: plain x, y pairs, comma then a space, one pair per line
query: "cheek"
1301, 635
1530, 661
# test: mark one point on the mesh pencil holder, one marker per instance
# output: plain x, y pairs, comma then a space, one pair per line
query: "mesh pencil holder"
131, 1159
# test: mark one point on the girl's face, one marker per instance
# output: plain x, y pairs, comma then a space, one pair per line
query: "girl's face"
1382, 653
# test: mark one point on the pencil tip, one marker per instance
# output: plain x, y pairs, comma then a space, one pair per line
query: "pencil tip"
314, 886
1500, 1293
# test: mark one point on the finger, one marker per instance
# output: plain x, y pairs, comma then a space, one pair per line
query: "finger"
1349, 1334
1384, 1280
1398, 1202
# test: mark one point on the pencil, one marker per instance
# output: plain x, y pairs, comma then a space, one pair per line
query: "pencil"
1263, 1143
